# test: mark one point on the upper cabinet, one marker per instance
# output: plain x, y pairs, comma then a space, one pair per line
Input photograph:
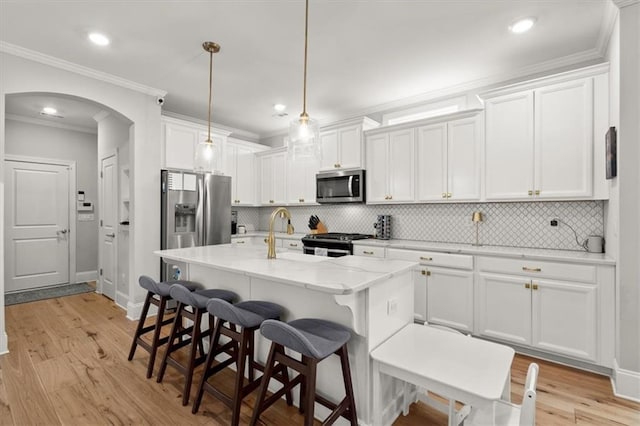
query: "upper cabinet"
391, 162
448, 155
436, 159
180, 139
240, 164
342, 144
301, 182
542, 140
273, 177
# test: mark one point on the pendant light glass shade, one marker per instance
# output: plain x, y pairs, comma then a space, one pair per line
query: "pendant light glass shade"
207, 153
304, 132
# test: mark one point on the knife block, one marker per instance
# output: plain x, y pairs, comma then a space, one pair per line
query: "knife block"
320, 229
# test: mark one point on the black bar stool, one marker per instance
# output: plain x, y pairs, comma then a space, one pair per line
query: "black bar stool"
157, 295
247, 316
197, 301
315, 340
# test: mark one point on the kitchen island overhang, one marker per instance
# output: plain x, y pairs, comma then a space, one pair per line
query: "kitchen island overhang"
374, 297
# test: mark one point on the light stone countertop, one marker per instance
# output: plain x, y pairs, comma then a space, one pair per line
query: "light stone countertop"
343, 275
501, 251
282, 235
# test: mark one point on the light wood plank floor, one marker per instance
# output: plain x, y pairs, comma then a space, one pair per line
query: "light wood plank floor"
68, 365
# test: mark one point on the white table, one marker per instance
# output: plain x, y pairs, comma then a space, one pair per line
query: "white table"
461, 368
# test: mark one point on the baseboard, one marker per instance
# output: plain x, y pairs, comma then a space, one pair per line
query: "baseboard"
134, 310
626, 383
86, 276
122, 300
4, 346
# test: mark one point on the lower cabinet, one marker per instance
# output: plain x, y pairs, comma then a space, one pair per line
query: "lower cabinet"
443, 287
547, 307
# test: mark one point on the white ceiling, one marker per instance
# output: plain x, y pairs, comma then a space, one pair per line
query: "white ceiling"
364, 55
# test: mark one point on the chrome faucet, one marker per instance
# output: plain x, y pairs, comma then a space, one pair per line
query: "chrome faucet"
271, 239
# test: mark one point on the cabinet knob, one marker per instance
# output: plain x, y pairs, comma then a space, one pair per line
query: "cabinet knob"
337, 165
301, 200
530, 192
534, 286
271, 201
527, 285
527, 269
448, 195
444, 195
391, 197
425, 272
537, 192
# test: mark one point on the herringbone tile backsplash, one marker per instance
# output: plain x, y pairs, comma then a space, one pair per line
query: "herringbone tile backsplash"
505, 224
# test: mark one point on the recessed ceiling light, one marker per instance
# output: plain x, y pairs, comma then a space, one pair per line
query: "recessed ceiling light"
522, 25
279, 107
49, 111
99, 39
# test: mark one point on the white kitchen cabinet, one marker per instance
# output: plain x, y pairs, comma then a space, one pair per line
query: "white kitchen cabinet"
301, 182
448, 156
240, 164
391, 167
539, 142
273, 178
180, 139
525, 307
342, 144
443, 287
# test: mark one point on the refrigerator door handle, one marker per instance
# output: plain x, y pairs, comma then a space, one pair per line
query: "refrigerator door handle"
200, 209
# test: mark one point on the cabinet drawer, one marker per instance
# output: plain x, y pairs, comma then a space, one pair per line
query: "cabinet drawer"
292, 244
538, 269
459, 261
368, 251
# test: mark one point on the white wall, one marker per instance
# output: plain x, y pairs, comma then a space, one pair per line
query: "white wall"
22, 75
55, 143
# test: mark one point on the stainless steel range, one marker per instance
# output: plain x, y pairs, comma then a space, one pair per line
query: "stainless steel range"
332, 244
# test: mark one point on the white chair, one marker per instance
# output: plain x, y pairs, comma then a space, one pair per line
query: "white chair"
423, 395
505, 413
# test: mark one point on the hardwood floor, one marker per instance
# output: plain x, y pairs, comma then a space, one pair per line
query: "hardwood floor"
68, 365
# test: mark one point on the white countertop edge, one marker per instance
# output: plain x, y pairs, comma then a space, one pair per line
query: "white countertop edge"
502, 251
320, 288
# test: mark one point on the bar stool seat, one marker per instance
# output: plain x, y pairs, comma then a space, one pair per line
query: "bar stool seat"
157, 295
315, 340
248, 316
197, 300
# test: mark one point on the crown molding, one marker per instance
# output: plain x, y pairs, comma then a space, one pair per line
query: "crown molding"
40, 122
32, 55
606, 28
232, 131
625, 3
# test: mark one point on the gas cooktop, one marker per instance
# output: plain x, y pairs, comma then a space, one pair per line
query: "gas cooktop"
338, 236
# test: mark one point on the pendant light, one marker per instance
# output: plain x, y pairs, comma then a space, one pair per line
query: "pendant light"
206, 151
304, 134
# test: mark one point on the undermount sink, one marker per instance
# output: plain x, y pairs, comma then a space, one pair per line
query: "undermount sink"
300, 257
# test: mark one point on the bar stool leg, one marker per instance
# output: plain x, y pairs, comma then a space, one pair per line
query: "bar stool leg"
348, 386
310, 391
264, 384
240, 367
141, 321
174, 328
211, 356
196, 341
156, 336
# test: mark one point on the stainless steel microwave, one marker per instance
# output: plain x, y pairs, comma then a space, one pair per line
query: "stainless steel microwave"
345, 186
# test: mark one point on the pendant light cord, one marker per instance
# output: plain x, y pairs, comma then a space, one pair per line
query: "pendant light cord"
210, 95
304, 88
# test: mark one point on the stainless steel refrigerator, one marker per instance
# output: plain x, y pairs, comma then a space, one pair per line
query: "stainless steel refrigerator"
196, 211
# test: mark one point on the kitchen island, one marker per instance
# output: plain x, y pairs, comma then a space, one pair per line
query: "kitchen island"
374, 297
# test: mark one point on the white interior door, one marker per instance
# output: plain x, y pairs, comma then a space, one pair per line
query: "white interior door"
36, 225
108, 222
